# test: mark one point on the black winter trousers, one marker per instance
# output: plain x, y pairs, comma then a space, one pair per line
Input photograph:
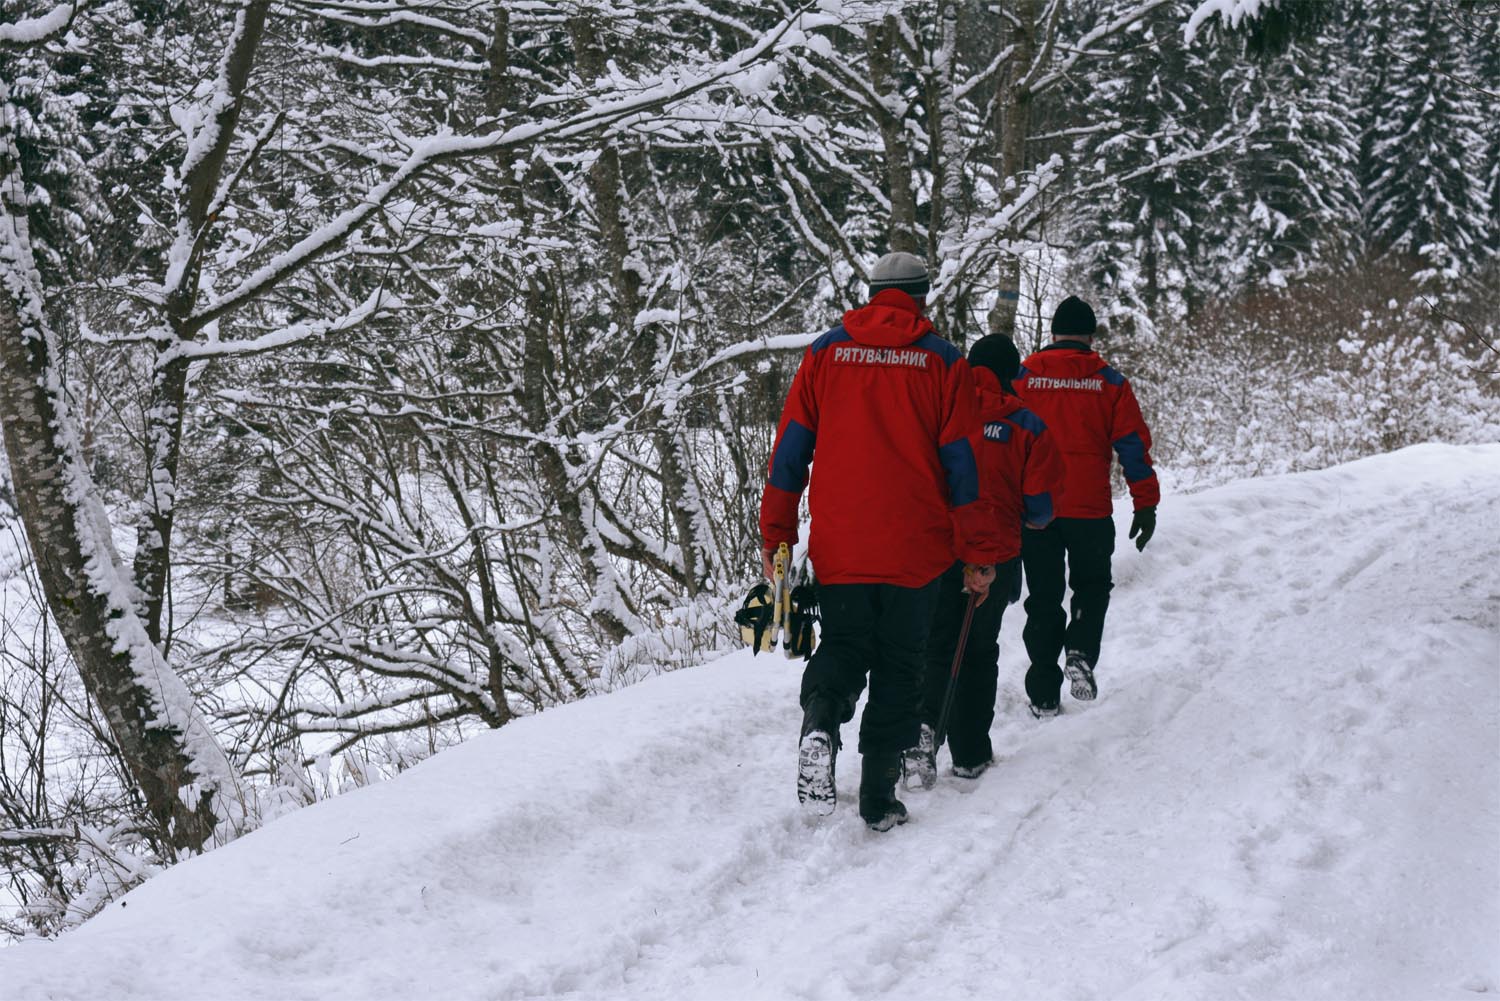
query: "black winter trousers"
879, 630
1082, 547
974, 693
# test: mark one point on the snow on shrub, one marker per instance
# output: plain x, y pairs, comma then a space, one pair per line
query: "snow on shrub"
1310, 379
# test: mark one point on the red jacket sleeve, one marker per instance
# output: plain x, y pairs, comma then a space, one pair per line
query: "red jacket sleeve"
975, 534
1132, 443
1041, 480
791, 456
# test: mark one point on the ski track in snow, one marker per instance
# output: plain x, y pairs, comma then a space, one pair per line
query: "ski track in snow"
1288, 788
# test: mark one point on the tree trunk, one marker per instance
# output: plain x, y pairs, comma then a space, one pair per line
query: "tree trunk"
201, 174
945, 149
497, 76
552, 467
62, 527
169, 749
153, 547
607, 187
880, 40
1013, 118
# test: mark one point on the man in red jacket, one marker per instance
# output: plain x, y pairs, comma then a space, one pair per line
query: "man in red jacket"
1020, 471
1090, 409
887, 406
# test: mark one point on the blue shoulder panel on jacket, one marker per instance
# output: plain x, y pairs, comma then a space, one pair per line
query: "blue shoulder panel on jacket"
834, 336
1112, 376
1026, 420
944, 349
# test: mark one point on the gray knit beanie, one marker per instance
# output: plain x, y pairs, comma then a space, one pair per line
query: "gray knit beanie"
903, 271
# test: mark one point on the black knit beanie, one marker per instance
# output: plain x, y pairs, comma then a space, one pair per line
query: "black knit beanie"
998, 354
903, 271
1074, 318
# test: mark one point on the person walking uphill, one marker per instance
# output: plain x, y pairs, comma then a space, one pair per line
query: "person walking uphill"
1090, 409
886, 406
1020, 471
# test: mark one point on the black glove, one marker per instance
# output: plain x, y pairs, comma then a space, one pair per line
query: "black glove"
1144, 522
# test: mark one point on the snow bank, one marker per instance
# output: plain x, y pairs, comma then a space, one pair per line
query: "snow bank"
1288, 788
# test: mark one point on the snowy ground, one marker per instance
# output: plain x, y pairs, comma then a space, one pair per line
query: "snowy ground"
1288, 789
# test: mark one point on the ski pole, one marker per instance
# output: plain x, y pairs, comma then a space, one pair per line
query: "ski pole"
958, 659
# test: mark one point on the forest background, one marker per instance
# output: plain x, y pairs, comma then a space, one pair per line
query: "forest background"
373, 373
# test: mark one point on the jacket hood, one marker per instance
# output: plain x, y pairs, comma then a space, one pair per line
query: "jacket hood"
1067, 360
891, 320
994, 401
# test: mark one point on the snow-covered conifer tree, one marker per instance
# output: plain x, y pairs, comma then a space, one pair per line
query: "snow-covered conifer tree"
1292, 199
1425, 199
1146, 233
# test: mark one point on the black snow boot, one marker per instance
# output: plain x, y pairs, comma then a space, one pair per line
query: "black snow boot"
878, 805
817, 754
919, 764
1080, 676
1043, 708
971, 771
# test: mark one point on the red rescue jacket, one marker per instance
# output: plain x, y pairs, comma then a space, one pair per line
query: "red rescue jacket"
887, 406
1020, 469
1090, 409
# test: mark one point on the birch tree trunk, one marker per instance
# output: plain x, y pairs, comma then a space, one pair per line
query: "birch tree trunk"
184, 777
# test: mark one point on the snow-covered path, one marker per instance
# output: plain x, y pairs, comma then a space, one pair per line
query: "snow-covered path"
1288, 789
